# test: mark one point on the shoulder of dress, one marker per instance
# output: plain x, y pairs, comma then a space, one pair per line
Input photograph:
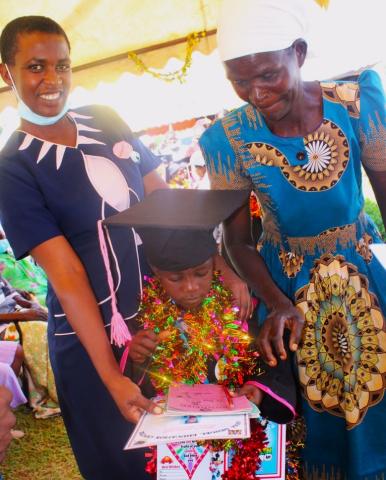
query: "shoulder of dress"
11, 147
345, 93
245, 116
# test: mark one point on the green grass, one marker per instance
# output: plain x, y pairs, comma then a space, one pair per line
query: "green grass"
44, 453
372, 209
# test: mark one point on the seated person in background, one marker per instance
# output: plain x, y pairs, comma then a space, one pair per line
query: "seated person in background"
8, 375
12, 354
11, 358
7, 420
25, 321
24, 275
16, 306
192, 332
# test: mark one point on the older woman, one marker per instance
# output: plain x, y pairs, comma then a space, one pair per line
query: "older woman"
300, 146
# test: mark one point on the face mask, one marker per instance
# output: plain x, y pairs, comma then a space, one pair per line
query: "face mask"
27, 114
4, 245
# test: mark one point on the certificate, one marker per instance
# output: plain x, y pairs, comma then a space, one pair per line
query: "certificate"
158, 429
188, 461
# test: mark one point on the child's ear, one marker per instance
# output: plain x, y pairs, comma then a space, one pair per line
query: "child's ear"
5, 74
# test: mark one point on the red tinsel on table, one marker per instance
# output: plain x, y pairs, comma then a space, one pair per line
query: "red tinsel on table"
246, 460
151, 465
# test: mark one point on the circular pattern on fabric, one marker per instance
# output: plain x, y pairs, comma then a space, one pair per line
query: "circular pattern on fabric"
341, 359
327, 158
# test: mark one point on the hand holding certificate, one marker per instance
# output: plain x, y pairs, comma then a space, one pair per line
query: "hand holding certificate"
194, 412
205, 399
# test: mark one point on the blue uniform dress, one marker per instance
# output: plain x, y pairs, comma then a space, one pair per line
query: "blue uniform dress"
315, 243
48, 190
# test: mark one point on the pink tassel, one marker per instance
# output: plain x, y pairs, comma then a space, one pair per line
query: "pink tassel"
120, 333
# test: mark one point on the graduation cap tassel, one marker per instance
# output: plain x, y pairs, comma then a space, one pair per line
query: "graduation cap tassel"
120, 334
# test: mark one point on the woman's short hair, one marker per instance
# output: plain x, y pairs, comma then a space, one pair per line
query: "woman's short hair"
27, 24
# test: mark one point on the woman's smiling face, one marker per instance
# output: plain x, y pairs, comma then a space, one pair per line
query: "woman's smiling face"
42, 71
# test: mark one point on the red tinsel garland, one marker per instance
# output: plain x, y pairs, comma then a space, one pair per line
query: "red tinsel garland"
247, 461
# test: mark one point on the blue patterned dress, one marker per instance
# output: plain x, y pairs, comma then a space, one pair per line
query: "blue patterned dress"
315, 243
48, 190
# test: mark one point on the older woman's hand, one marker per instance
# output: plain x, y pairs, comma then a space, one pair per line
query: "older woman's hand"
31, 314
238, 288
270, 339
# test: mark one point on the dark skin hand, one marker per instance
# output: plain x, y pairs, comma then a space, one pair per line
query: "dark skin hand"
250, 266
239, 288
253, 393
24, 294
30, 310
144, 344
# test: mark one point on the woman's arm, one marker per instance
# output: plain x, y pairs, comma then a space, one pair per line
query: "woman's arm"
237, 286
251, 266
69, 280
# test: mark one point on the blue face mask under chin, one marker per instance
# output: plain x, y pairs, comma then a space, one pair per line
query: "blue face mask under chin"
27, 114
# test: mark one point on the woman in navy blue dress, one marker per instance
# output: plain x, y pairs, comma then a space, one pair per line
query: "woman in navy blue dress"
61, 172
56, 181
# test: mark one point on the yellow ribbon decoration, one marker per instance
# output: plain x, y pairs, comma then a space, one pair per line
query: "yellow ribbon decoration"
191, 41
323, 3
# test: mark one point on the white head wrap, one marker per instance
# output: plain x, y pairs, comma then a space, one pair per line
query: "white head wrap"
246, 27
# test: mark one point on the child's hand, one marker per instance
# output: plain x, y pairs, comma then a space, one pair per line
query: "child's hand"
143, 345
253, 393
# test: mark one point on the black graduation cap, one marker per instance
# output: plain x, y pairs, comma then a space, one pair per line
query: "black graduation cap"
176, 225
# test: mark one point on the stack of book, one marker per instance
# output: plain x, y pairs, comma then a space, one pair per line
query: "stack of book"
195, 412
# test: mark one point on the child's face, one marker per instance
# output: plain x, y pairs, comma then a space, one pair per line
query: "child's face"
189, 287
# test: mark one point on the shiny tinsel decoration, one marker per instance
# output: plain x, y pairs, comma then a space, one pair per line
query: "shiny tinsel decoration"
247, 461
323, 3
214, 330
296, 435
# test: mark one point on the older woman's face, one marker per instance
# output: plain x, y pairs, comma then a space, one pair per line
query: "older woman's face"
269, 81
42, 71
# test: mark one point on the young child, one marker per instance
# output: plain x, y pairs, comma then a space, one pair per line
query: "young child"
191, 332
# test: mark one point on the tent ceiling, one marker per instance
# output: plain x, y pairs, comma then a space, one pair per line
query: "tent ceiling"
108, 29
345, 37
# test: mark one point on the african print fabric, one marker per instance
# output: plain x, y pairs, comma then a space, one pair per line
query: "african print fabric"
315, 242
